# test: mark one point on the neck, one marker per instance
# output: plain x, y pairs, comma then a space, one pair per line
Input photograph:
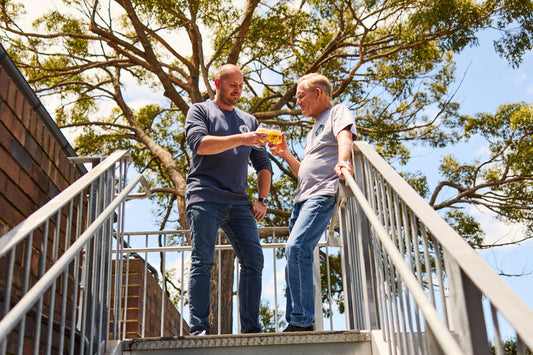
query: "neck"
326, 106
222, 105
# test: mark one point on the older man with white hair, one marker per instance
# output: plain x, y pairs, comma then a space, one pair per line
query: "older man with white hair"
328, 149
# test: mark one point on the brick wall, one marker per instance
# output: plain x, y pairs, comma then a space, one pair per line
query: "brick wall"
34, 168
152, 320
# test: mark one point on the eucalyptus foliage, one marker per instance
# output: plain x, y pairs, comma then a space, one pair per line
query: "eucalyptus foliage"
391, 62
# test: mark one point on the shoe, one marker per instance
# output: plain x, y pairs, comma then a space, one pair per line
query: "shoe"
200, 333
296, 328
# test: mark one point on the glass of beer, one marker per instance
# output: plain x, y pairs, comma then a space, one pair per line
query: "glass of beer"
273, 131
274, 136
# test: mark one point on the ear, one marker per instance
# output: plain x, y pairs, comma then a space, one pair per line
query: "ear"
217, 83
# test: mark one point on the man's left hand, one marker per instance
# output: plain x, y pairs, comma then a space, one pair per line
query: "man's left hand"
259, 210
343, 164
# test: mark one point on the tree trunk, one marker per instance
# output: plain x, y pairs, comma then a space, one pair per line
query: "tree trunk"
226, 296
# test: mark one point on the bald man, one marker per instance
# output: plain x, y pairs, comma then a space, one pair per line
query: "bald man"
223, 139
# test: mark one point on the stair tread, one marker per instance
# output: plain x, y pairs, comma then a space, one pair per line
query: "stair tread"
238, 340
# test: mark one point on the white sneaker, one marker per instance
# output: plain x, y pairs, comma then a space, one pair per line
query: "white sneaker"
202, 333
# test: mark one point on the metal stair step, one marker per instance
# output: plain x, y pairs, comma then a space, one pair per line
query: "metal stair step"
353, 342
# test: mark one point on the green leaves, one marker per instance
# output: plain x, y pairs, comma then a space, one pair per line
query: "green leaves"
391, 62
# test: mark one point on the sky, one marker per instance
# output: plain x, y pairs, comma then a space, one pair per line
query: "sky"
488, 81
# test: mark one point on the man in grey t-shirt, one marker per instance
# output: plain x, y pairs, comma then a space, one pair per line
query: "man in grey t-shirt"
327, 150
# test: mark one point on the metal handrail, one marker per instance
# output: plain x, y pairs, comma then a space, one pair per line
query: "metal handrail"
403, 266
443, 335
139, 245
77, 227
27, 301
404, 234
18, 233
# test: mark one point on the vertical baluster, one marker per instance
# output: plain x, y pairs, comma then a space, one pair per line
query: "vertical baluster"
143, 322
164, 285
219, 286
414, 349
498, 347
419, 271
276, 316
64, 290
7, 294
126, 287
51, 305
329, 290
182, 284
25, 285
75, 285
41, 271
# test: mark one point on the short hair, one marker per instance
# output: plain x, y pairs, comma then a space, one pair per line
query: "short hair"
226, 70
315, 80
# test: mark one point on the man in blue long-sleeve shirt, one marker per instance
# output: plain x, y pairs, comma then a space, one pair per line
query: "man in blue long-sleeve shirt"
222, 139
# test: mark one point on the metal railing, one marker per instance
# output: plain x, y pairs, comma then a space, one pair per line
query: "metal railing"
165, 256
408, 273
56, 265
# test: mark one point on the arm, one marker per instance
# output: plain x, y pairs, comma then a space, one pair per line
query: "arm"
263, 186
218, 144
345, 142
282, 150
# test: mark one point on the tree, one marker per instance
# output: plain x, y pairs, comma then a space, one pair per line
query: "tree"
391, 62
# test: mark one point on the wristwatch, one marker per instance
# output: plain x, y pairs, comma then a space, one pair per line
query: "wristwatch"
264, 201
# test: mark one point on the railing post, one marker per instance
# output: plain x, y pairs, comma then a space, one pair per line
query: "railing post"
359, 288
366, 251
466, 310
319, 318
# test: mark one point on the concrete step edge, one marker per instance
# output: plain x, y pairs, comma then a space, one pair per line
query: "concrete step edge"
246, 340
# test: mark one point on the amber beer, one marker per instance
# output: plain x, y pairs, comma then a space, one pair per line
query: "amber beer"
274, 134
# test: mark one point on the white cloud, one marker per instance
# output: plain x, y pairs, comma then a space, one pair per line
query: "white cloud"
483, 150
496, 231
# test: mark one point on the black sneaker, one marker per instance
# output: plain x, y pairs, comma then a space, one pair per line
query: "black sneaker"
296, 328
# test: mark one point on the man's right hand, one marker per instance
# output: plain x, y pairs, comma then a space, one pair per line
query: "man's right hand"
280, 149
254, 138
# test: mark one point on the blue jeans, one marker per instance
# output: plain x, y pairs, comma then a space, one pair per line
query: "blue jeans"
238, 222
307, 224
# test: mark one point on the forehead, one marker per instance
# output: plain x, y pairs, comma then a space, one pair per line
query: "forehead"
302, 89
233, 77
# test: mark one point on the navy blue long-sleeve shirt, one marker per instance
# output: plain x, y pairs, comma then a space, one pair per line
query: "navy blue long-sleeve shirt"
222, 177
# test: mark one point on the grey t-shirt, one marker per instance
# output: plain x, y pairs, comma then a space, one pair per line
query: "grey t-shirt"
316, 176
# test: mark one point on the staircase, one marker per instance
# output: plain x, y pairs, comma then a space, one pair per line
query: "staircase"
411, 285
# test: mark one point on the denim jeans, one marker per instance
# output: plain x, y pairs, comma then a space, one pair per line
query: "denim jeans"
238, 222
307, 224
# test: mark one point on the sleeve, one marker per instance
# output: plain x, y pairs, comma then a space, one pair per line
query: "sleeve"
196, 126
343, 118
260, 160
